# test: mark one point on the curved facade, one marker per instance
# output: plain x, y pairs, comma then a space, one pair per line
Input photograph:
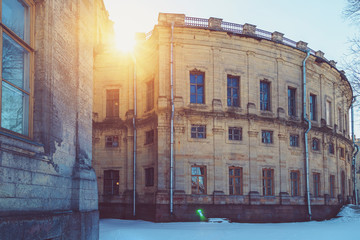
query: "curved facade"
239, 145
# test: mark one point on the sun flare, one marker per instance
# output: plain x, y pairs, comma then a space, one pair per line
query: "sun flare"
124, 38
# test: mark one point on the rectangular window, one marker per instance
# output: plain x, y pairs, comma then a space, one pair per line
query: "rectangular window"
150, 95
266, 136
264, 96
235, 181
292, 101
268, 181
16, 61
342, 152
316, 179
233, 91
345, 123
112, 103
331, 148
340, 120
294, 140
312, 107
149, 138
295, 183
332, 186
111, 141
235, 133
315, 144
198, 131
197, 88
149, 177
198, 180
328, 112
111, 182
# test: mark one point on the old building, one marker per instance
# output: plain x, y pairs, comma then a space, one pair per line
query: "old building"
218, 123
48, 187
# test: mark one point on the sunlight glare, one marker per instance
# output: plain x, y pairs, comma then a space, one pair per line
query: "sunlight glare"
124, 37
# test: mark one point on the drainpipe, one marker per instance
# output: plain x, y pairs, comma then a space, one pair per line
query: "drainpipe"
134, 126
306, 135
356, 147
172, 122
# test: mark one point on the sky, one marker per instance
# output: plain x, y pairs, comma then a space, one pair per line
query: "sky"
320, 23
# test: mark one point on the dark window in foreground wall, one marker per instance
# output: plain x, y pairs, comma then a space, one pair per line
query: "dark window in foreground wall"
233, 91
291, 102
342, 152
111, 182
312, 107
331, 148
235, 133
197, 88
198, 180
150, 95
264, 95
332, 186
111, 141
294, 140
295, 183
149, 177
16, 60
268, 182
315, 144
149, 137
266, 136
198, 131
235, 181
316, 179
112, 103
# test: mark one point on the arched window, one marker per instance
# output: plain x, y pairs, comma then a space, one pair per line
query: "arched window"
315, 144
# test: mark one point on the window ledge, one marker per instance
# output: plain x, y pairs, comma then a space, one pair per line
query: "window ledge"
13, 143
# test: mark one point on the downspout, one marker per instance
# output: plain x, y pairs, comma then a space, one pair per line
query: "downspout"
356, 147
306, 135
134, 127
172, 122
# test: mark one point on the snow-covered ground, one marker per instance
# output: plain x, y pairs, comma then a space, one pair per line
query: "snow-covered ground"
347, 226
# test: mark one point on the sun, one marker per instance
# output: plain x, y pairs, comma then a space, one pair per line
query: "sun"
124, 38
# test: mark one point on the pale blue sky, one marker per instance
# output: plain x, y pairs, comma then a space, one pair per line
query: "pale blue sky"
318, 22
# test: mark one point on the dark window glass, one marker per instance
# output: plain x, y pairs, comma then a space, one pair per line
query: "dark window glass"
294, 140
198, 131
235, 181
111, 182
112, 103
149, 177
331, 148
197, 91
268, 182
315, 144
111, 141
233, 98
149, 137
264, 96
150, 95
295, 183
312, 107
235, 133
342, 152
198, 180
316, 178
291, 101
266, 136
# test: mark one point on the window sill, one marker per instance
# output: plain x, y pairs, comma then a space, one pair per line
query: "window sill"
266, 113
14, 143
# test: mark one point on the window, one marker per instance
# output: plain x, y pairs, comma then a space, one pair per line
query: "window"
112, 103
315, 144
149, 177
197, 93
198, 180
266, 136
342, 152
235, 181
295, 183
292, 102
233, 99
340, 120
150, 95
294, 140
198, 131
16, 57
345, 124
332, 186
111, 141
328, 112
264, 96
316, 179
331, 148
312, 107
268, 181
111, 182
235, 133
149, 136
